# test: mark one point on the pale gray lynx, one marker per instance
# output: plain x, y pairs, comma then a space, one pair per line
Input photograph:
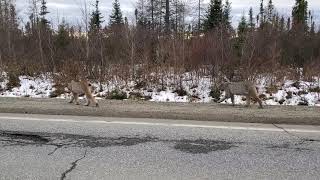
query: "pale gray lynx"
81, 88
244, 88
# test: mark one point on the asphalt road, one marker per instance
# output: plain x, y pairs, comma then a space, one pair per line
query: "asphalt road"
73, 147
190, 111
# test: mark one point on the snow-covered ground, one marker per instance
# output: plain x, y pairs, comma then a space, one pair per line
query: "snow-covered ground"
39, 87
198, 90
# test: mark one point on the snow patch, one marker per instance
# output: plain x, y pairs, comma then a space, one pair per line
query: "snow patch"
197, 89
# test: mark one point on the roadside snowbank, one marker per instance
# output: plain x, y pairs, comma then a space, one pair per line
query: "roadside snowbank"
289, 93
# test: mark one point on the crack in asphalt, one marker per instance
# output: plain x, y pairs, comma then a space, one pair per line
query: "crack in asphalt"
281, 128
288, 146
70, 140
55, 149
60, 140
301, 140
73, 166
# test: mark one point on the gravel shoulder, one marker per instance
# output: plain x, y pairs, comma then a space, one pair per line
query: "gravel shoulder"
179, 111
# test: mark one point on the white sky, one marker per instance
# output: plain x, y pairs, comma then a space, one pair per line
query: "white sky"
70, 9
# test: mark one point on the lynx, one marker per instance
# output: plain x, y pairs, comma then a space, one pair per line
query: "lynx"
81, 88
244, 88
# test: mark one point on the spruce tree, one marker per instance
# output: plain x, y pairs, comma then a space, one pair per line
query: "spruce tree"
43, 12
136, 12
226, 15
96, 19
300, 15
251, 20
214, 16
262, 14
13, 18
270, 11
63, 38
242, 27
116, 16
282, 24
312, 26
167, 17
288, 24
242, 32
312, 29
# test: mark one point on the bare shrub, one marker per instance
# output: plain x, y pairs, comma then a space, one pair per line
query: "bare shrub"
13, 73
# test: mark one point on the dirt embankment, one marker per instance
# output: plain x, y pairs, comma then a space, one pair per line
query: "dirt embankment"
183, 111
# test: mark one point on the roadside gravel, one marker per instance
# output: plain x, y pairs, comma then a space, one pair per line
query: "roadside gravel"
179, 111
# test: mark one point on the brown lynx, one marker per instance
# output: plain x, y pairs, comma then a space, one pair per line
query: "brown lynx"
244, 88
81, 88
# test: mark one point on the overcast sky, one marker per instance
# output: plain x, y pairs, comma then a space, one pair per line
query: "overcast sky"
70, 9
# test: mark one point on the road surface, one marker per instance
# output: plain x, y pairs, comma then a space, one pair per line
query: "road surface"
72, 147
185, 111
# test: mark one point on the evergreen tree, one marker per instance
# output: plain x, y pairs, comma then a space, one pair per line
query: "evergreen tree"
262, 15
226, 15
136, 13
276, 22
167, 17
116, 16
126, 22
28, 30
312, 29
242, 27
242, 32
214, 16
43, 12
270, 11
288, 24
300, 15
13, 18
282, 24
1, 15
312, 24
96, 19
63, 38
251, 20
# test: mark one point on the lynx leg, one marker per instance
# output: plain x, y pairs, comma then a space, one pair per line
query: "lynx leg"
232, 100
255, 95
72, 98
88, 102
259, 101
76, 97
94, 101
221, 100
91, 100
88, 98
248, 100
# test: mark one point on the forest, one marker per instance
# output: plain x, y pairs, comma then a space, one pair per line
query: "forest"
165, 40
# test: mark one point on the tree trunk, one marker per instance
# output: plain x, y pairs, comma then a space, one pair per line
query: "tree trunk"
40, 47
152, 14
199, 16
167, 18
